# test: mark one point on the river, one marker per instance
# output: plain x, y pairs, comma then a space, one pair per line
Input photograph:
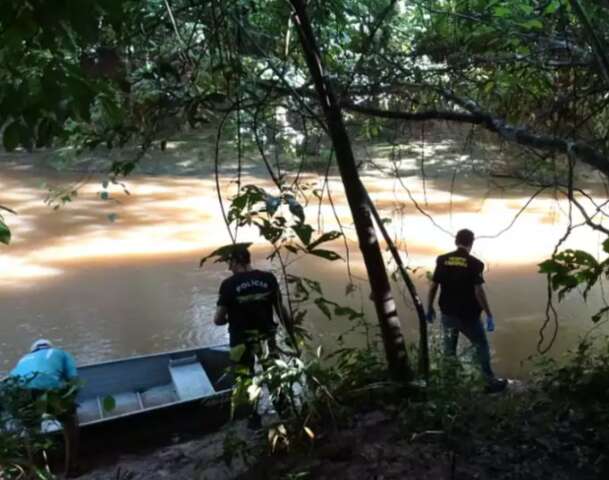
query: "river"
109, 278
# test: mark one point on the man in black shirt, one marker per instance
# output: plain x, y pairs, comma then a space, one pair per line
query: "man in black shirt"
246, 302
462, 300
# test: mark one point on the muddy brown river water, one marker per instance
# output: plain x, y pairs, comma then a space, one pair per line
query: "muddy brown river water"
106, 289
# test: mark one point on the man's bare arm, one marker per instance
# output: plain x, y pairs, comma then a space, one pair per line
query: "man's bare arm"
221, 318
482, 301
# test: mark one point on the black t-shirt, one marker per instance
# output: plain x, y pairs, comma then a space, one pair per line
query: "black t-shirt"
249, 298
458, 273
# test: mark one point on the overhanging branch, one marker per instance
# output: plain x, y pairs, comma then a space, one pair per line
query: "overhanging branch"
416, 116
520, 135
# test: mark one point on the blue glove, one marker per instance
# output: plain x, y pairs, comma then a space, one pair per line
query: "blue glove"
431, 315
490, 323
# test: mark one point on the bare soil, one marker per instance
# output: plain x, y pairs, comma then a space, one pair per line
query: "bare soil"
373, 448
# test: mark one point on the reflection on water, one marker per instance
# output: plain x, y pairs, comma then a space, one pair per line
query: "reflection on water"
106, 289
104, 311
517, 295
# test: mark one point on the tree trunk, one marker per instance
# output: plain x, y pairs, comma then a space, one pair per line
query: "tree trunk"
418, 305
357, 197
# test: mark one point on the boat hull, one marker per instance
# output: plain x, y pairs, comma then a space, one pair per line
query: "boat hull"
182, 391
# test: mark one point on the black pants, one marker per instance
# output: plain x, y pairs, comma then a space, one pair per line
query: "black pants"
254, 347
65, 413
473, 330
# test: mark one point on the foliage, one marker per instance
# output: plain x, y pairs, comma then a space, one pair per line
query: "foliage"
45, 49
281, 221
309, 388
554, 427
223, 254
254, 206
571, 269
108, 72
21, 439
5, 233
313, 391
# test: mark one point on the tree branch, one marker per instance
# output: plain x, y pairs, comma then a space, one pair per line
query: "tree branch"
516, 134
417, 116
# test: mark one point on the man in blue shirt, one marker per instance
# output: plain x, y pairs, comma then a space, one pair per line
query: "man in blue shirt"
45, 367
49, 369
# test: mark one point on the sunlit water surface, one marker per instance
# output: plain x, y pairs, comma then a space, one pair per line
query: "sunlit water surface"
106, 289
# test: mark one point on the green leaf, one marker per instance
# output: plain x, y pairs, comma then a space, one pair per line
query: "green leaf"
326, 237
502, 11
598, 315
548, 266
327, 254
108, 403
291, 248
533, 24
295, 208
128, 168
236, 353
239, 202
552, 7
112, 111
272, 204
304, 232
322, 304
223, 253
269, 232
5, 233
313, 284
347, 311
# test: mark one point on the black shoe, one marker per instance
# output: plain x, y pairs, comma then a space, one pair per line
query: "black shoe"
496, 385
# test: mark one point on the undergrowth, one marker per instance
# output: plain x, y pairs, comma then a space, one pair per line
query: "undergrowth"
556, 425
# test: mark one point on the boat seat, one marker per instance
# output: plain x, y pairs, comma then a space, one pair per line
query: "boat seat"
88, 411
159, 395
125, 402
189, 378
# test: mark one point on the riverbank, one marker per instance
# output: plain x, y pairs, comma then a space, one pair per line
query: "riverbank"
371, 448
352, 422
555, 428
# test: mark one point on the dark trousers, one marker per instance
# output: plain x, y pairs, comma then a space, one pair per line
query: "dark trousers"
254, 348
66, 416
253, 344
473, 330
